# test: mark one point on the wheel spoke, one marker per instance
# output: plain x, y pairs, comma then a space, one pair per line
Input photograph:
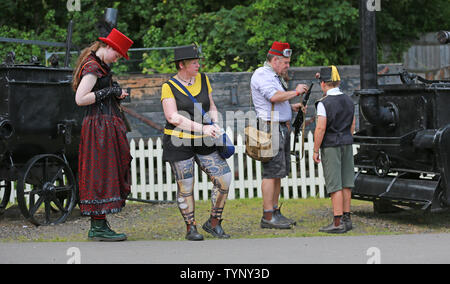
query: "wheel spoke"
59, 204
47, 211
31, 199
34, 191
36, 206
57, 175
4, 199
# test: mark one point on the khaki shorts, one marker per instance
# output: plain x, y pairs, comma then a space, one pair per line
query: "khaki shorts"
280, 165
338, 167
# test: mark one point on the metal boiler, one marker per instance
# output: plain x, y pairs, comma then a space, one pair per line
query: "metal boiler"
404, 138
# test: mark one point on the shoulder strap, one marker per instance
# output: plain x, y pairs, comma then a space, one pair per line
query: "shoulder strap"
320, 100
196, 103
271, 109
84, 65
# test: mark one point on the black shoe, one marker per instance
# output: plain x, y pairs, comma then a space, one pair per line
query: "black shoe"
193, 234
332, 229
275, 223
217, 231
347, 222
281, 217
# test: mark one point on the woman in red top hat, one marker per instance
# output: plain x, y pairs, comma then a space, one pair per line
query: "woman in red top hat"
104, 155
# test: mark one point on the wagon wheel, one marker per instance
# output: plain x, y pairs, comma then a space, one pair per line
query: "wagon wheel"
4, 198
46, 190
61, 197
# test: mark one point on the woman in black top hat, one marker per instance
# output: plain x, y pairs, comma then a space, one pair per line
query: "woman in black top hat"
187, 140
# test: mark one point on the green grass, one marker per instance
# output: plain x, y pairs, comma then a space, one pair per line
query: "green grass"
242, 217
241, 220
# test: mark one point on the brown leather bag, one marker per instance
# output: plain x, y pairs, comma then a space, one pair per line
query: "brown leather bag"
258, 143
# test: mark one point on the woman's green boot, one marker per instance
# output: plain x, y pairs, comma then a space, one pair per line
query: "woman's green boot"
100, 231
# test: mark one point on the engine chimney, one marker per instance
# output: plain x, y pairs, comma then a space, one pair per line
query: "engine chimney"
369, 103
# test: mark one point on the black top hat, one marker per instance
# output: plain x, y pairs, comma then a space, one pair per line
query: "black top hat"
187, 52
329, 74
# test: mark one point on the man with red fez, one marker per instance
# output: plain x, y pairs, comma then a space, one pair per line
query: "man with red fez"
271, 97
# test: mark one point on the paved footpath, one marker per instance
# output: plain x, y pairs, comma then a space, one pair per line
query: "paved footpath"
423, 248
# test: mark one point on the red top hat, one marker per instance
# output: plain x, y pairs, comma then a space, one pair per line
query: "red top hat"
281, 49
117, 40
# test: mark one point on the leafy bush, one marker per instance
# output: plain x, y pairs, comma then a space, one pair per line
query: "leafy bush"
235, 35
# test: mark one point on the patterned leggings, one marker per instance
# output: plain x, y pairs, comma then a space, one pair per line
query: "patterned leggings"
218, 172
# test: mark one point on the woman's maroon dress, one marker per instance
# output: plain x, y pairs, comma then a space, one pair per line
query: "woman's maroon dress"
104, 155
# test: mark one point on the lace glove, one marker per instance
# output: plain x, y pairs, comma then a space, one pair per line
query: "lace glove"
102, 94
116, 84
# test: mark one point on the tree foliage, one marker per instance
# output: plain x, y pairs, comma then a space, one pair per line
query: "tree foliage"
234, 34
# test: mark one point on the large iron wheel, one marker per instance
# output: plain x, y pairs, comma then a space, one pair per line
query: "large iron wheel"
46, 190
4, 197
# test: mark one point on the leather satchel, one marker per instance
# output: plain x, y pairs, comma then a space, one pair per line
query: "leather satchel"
258, 143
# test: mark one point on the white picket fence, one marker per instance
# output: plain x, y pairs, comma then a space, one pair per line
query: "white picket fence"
152, 179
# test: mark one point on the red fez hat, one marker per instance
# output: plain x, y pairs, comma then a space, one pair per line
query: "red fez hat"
117, 40
281, 49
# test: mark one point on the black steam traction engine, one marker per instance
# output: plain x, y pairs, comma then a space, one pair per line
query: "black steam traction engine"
40, 127
404, 137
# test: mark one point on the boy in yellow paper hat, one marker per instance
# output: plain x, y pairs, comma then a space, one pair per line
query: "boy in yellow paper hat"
334, 138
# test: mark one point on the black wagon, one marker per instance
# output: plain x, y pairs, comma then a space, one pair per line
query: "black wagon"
40, 127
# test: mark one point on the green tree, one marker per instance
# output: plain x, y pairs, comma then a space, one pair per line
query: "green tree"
234, 34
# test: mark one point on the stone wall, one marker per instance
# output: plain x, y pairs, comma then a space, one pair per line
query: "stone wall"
231, 93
